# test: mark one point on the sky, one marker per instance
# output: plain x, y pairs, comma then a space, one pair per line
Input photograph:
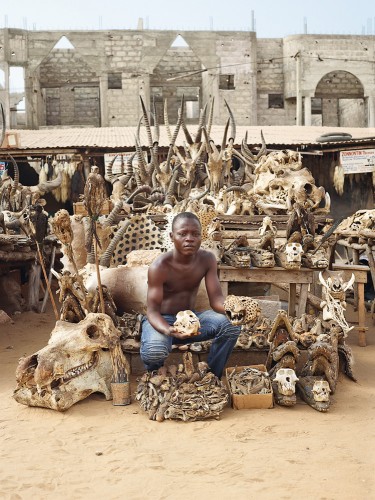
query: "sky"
273, 18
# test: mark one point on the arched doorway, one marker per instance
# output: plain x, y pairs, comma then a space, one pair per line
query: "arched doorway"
339, 101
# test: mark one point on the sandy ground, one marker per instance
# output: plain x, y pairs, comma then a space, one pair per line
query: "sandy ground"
97, 450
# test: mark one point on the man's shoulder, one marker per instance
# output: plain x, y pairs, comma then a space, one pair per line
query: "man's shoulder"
161, 260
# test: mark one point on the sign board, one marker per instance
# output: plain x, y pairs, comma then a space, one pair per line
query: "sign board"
121, 158
356, 162
2, 168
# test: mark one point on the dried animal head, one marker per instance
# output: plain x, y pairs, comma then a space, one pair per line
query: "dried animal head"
187, 322
75, 363
242, 310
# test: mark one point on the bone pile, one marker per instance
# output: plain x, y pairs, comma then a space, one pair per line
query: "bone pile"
249, 381
182, 392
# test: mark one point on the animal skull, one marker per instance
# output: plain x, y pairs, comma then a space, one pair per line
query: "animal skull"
321, 390
187, 322
74, 364
286, 379
293, 252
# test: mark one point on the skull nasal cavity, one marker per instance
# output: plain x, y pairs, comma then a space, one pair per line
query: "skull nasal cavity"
93, 332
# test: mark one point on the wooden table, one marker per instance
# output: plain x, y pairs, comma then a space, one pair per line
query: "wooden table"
303, 276
360, 273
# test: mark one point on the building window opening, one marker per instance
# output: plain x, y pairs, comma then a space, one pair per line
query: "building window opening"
114, 81
316, 106
226, 82
276, 101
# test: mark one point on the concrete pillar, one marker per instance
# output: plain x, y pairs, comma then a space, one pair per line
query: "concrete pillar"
307, 105
298, 90
6, 96
103, 90
371, 111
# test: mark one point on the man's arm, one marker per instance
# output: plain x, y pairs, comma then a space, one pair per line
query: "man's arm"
155, 299
214, 292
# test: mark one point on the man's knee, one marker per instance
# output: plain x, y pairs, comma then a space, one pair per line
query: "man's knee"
153, 353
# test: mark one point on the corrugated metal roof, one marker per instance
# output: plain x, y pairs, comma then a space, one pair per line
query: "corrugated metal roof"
123, 137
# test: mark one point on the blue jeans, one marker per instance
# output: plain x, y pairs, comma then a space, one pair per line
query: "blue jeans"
155, 346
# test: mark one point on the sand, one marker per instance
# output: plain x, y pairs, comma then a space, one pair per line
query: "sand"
97, 450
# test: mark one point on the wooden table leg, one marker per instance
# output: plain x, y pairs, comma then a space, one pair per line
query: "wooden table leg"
302, 299
292, 299
361, 316
224, 288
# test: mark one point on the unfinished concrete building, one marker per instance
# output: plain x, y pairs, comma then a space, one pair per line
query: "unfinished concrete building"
324, 80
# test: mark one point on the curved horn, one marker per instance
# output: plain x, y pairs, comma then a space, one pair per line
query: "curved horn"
186, 132
166, 121
321, 279
202, 117
349, 283
108, 176
147, 123
224, 142
105, 259
210, 117
16, 176
141, 189
47, 187
2, 136
232, 124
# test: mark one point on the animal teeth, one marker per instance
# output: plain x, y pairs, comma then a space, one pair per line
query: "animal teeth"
74, 372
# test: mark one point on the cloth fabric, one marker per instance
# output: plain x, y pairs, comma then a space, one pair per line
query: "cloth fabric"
155, 346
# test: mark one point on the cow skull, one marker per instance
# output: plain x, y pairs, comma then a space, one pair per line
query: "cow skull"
75, 363
286, 379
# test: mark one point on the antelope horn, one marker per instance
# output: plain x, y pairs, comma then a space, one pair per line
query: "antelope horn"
350, 282
263, 149
141, 160
232, 124
179, 120
202, 117
147, 123
186, 132
210, 117
223, 144
16, 176
108, 171
2, 136
141, 189
166, 121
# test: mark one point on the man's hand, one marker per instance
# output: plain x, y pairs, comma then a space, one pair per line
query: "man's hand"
180, 335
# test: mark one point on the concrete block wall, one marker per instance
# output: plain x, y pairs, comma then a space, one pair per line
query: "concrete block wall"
260, 67
270, 80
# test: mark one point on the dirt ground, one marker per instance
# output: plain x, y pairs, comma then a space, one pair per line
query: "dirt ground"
97, 450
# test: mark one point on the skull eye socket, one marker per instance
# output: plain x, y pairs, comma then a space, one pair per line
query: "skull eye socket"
93, 332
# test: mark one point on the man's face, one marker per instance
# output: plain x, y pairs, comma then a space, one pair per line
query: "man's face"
186, 236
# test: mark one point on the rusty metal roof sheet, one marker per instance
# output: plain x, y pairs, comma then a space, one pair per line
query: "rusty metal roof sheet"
123, 137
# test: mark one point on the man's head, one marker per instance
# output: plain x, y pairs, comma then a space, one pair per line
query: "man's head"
186, 233
184, 215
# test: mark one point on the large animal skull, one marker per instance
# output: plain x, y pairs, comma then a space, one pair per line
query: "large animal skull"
74, 364
321, 390
286, 379
187, 322
293, 252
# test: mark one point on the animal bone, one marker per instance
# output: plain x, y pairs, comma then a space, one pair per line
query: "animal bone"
187, 322
74, 364
286, 379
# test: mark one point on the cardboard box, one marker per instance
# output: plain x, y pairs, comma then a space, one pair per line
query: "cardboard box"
248, 401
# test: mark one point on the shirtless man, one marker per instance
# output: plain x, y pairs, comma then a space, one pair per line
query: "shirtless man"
173, 282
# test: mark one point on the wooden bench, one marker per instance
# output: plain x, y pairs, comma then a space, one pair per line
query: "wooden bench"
303, 276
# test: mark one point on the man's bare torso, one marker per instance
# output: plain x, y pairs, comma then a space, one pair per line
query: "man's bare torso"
181, 281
